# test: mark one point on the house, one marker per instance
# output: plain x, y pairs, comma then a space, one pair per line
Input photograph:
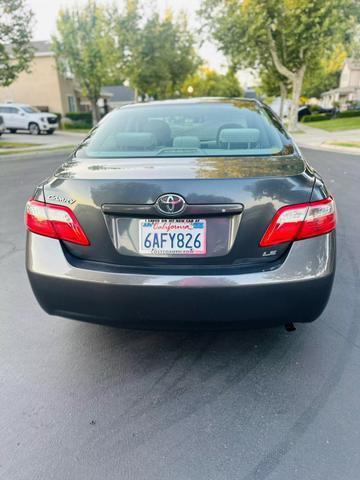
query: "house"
118, 95
349, 88
44, 86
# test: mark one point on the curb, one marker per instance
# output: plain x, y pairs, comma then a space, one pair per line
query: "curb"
334, 149
32, 153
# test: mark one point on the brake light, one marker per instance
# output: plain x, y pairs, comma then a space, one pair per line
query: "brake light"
55, 221
296, 222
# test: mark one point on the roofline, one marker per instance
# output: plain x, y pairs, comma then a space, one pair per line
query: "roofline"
194, 101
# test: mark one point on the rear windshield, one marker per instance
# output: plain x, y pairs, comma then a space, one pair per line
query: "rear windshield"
187, 129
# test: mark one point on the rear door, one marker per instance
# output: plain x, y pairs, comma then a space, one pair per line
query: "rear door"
19, 118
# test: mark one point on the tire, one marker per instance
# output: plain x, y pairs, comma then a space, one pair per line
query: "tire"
50, 132
12, 130
34, 129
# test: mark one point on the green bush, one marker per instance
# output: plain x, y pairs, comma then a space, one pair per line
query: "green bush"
316, 117
76, 125
349, 113
84, 117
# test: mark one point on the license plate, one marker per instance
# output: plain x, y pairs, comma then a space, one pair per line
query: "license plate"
172, 237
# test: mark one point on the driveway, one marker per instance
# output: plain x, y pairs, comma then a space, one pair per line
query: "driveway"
86, 402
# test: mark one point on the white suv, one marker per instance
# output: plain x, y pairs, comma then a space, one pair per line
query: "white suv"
24, 117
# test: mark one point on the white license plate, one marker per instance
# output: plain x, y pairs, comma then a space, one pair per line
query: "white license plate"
172, 237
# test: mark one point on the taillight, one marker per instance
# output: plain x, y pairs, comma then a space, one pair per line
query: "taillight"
55, 221
296, 222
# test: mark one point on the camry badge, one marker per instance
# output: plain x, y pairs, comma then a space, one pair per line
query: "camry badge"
170, 204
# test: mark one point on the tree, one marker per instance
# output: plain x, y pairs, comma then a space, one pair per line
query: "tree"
325, 74
274, 84
16, 52
208, 83
159, 55
292, 34
85, 46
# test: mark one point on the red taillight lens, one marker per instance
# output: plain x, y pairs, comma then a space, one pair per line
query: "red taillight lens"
54, 221
296, 222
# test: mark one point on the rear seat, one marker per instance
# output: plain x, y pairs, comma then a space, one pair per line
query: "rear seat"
186, 142
135, 141
238, 137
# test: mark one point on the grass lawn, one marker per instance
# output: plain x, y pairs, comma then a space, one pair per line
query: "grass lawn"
17, 145
337, 124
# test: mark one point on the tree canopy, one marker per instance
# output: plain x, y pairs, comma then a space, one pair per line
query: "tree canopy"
85, 46
102, 45
160, 55
16, 53
209, 83
289, 35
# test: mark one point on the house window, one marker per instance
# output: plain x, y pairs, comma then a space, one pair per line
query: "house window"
71, 103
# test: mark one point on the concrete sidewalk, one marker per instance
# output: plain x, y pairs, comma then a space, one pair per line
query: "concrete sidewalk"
321, 139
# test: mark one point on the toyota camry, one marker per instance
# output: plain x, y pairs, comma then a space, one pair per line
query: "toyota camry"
199, 211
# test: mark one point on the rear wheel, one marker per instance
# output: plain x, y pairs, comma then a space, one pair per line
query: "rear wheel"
34, 129
13, 130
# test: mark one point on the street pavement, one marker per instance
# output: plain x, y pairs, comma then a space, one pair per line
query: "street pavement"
316, 138
58, 138
86, 402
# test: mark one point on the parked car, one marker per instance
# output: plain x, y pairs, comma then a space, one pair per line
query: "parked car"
2, 125
24, 117
187, 211
302, 111
327, 110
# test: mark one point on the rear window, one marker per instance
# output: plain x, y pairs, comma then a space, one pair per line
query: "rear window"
236, 128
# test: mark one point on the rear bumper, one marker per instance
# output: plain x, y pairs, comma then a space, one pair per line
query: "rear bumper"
297, 291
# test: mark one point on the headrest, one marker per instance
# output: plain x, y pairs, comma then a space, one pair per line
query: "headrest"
239, 135
135, 140
186, 142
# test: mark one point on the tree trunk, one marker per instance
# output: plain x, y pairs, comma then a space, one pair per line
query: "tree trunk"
283, 95
296, 87
94, 111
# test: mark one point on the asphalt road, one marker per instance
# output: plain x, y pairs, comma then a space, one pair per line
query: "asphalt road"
59, 137
85, 402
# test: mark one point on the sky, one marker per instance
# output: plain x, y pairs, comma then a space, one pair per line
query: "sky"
46, 12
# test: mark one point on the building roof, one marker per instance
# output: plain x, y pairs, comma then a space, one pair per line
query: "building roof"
340, 90
119, 93
353, 64
42, 46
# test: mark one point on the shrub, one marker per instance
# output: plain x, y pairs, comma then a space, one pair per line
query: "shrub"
316, 117
84, 117
349, 113
76, 125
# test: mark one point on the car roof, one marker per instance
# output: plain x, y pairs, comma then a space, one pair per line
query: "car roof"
194, 101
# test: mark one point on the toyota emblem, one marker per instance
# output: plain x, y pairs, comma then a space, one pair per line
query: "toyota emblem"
170, 204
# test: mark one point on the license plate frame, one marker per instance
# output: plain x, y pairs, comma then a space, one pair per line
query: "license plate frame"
194, 231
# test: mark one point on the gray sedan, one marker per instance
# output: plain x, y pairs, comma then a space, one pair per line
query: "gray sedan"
185, 212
